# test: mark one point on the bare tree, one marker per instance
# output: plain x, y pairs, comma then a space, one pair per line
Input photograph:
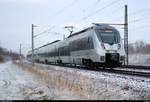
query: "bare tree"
139, 47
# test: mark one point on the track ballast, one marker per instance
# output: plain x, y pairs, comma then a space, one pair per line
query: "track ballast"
132, 72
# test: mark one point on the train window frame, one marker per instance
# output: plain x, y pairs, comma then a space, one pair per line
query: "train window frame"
116, 33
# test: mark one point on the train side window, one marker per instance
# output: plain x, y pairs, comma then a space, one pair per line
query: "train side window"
91, 43
88, 39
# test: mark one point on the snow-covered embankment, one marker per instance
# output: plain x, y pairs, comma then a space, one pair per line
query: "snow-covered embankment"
17, 84
91, 84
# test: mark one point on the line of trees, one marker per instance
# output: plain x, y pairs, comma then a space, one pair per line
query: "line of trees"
139, 47
6, 53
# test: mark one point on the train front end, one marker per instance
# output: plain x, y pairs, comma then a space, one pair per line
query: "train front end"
112, 53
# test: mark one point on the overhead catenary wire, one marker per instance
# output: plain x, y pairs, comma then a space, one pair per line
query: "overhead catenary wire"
135, 13
140, 27
140, 31
139, 19
139, 11
45, 31
93, 13
65, 8
91, 5
115, 12
117, 9
51, 33
41, 42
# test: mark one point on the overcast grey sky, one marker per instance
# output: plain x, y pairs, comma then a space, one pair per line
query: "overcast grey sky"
18, 15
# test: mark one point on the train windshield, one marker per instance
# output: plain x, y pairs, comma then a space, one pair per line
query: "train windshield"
109, 36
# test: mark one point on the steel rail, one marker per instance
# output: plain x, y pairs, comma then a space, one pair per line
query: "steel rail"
135, 67
108, 70
131, 73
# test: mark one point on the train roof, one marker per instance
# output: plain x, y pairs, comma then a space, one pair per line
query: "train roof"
84, 30
97, 26
45, 45
49, 44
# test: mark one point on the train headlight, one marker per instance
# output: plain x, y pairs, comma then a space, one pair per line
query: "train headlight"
102, 44
119, 46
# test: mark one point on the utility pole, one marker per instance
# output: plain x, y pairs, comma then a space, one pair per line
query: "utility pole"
20, 54
63, 36
126, 34
32, 41
32, 44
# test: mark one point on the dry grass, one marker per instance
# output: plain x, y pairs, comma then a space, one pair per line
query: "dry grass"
57, 79
125, 86
83, 86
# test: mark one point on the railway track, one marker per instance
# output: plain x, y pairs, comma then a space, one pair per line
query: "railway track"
136, 67
125, 72
140, 71
134, 71
119, 70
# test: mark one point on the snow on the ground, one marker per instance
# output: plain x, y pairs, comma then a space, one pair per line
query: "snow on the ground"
17, 84
14, 81
68, 83
139, 59
98, 85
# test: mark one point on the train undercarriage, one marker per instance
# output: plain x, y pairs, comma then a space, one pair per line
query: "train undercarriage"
111, 61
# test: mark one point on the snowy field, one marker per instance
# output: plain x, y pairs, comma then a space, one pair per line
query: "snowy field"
91, 84
17, 84
139, 59
47, 82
